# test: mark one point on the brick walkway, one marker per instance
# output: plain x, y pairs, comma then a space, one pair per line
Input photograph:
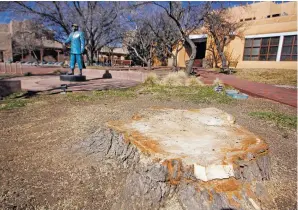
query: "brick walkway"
279, 94
43, 82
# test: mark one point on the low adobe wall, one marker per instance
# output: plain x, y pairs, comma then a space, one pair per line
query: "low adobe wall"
9, 86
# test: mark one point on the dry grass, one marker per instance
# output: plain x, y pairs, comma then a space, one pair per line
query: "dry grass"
269, 76
194, 81
217, 82
174, 79
152, 79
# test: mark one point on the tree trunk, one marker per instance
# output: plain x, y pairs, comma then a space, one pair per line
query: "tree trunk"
175, 63
112, 58
149, 64
215, 60
150, 59
91, 58
221, 53
223, 60
192, 56
175, 59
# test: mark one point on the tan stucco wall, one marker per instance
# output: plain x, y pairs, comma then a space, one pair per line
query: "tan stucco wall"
262, 25
182, 57
5, 45
267, 64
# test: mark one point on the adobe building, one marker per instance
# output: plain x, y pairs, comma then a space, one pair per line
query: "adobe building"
49, 49
269, 38
5, 43
106, 53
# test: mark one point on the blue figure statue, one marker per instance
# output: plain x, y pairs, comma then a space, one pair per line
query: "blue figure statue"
76, 49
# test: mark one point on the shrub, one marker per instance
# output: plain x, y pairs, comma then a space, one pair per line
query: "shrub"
175, 79
152, 79
194, 81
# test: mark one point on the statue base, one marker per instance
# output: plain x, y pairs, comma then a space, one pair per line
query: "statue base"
73, 78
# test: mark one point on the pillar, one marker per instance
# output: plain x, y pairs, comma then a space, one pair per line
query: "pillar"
41, 55
58, 56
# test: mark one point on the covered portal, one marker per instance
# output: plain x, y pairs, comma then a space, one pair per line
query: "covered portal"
201, 43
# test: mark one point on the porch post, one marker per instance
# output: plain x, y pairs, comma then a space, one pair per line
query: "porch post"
58, 57
41, 55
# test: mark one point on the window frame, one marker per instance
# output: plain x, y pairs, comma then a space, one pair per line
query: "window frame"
268, 46
292, 45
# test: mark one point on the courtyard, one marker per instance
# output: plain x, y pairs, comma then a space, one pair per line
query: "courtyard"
148, 105
45, 164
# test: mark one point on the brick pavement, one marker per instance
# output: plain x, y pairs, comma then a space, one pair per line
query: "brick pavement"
43, 80
279, 94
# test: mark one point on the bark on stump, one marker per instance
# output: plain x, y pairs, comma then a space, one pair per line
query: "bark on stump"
153, 181
150, 183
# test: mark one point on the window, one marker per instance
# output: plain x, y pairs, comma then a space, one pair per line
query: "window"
276, 15
289, 49
261, 49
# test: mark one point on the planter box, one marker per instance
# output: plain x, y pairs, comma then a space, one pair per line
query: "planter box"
9, 86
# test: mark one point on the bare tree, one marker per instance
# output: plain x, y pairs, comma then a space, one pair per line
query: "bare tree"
214, 57
100, 21
4, 5
139, 38
222, 28
187, 17
141, 42
169, 39
30, 37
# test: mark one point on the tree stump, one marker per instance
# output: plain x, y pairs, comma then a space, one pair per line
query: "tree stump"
201, 157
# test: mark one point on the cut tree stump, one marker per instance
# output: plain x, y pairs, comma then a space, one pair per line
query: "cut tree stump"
199, 157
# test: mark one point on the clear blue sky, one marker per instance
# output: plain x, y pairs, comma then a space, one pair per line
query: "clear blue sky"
5, 17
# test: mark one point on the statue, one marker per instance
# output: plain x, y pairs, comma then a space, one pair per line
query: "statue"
76, 49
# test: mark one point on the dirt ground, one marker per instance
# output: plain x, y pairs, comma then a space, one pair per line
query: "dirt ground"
41, 167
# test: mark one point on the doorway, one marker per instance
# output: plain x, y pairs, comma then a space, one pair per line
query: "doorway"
201, 51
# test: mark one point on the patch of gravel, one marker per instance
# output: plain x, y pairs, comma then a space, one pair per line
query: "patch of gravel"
40, 168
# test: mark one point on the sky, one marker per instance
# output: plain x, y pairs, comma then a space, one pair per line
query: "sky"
6, 17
